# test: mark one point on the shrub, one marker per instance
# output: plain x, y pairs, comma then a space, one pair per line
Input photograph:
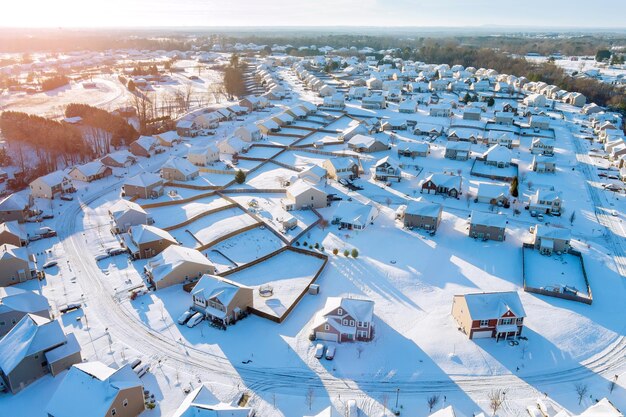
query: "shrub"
346, 253
240, 177
321, 249
297, 243
355, 253
335, 251
317, 245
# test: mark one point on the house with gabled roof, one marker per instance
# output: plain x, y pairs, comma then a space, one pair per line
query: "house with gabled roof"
498, 155
487, 226
458, 151
48, 186
439, 183
203, 155
16, 265
375, 101
201, 402
354, 215
143, 185
123, 214
367, 144
16, 207
543, 164
168, 139
144, 146
303, 194
345, 320
422, 214
177, 265
386, 169
542, 146
549, 239
34, 347
342, 167
221, 300
314, 174
13, 233
97, 390
497, 315
145, 241
248, 133
495, 194
546, 201
90, 171
178, 169
119, 159
268, 126
15, 303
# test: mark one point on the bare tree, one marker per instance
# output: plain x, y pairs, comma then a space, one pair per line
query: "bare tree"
359, 350
310, 396
612, 384
468, 197
323, 224
581, 391
530, 185
496, 399
432, 402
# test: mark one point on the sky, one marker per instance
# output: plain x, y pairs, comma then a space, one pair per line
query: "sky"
300, 13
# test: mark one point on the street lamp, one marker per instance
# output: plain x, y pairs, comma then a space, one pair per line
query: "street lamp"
397, 396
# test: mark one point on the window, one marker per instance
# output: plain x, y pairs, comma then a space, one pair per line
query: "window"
340, 312
506, 321
345, 322
366, 324
326, 327
125, 402
520, 320
351, 322
484, 323
113, 411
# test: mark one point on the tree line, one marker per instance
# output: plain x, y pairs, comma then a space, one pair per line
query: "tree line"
105, 129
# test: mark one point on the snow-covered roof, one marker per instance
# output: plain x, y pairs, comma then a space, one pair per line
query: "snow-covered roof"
30, 335
146, 142
122, 156
17, 299
144, 233
268, 124
171, 258
342, 163
89, 389
492, 190
169, 137
327, 412
545, 194
144, 179
314, 170
360, 140
122, 207
354, 213
413, 146
498, 153
211, 287
180, 164
358, 309
301, 186
53, 178
445, 180
491, 305
603, 408
13, 202
387, 160
458, 146
8, 251
422, 207
488, 219
14, 228
91, 168
549, 232
444, 412
201, 402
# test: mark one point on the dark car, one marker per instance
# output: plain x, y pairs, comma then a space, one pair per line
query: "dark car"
67, 198
69, 307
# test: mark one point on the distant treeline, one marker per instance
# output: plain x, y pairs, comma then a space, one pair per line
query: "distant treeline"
55, 82
120, 132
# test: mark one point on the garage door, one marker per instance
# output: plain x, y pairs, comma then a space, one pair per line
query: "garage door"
327, 336
481, 335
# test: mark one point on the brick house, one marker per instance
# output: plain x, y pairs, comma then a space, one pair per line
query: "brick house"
345, 320
444, 184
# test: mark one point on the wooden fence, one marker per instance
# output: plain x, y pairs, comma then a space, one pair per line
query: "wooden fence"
199, 216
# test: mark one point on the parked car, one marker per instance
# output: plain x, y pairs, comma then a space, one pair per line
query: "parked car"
142, 370
330, 353
194, 320
99, 257
67, 197
47, 216
135, 363
35, 237
69, 307
319, 350
116, 251
184, 318
50, 264
46, 232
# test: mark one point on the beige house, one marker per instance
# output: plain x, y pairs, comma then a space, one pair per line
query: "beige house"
248, 133
339, 168
546, 201
35, 347
487, 226
458, 151
178, 169
168, 139
97, 390
422, 214
543, 164
203, 155
367, 144
15, 207
124, 214
548, 239
143, 146
13, 234
302, 194
50, 185
497, 315
15, 303
119, 159
90, 171
144, 185
144, 241
16, 265
221, 300
542, 146
177, 265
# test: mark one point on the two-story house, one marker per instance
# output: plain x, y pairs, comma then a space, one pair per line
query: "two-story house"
221, 300
546, 202
345, 320
387, 169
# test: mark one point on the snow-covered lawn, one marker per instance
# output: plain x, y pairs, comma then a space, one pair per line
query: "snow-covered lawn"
554, 272
246, 247
171, 215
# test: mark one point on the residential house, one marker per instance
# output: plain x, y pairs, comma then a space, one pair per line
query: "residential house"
143, 185
186, 128
375, 102
302, 195
444, 184
413, 149
498, 155
168, 139
540, 122
353, 215
345, 320
178, 169
548, 239
124, 214
144, 146
546, 201
374, 84
497, 315
201, 402
177, 265
503, 118
535, 100
464, 135
203, 155
119, 159
208, 120
367, 144
13, 234
501, 138
221, 300
15, 303
542, 146
34, 347
543, 164
248, 133
459, 151
427, 129
494, 194
472, 113
394, 124
145, 241
440, 110
233, 145
342, 168
602, 408
268, 126
90, 171
387, 169
487, 226
297, 112
357, 93
282, 119
335, 101
16, 265
408, 106
97, 390
313, 174
50, 185
16, 207
422, 214
576, 99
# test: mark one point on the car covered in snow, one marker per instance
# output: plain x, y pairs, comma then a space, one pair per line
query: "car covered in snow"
194, 320
319, 350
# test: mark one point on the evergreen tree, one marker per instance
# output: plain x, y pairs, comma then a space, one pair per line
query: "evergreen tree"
514, 184
240, 177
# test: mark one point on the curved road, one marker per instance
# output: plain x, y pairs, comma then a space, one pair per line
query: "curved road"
124, 327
